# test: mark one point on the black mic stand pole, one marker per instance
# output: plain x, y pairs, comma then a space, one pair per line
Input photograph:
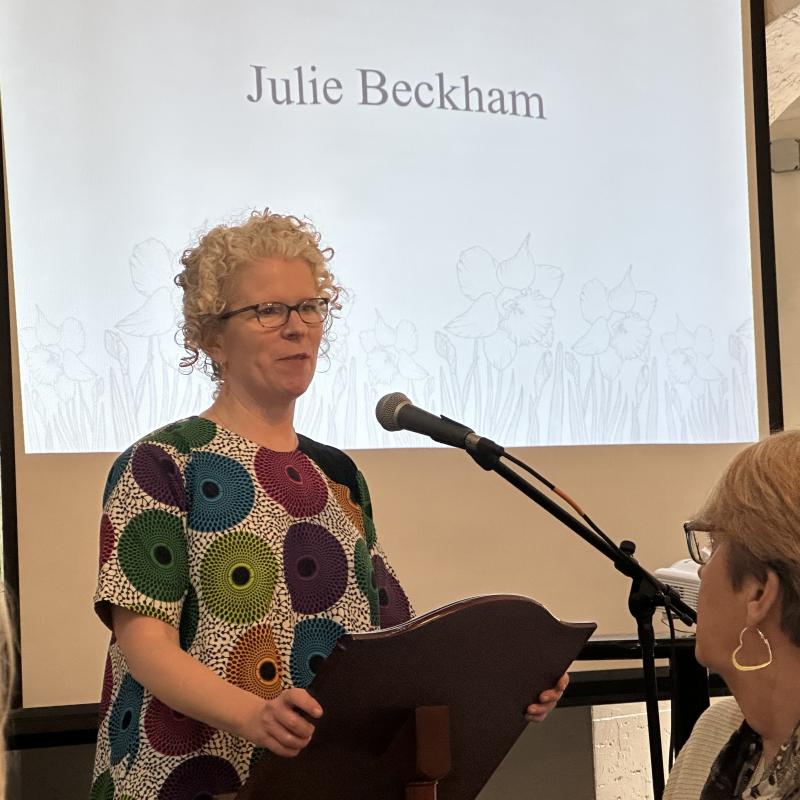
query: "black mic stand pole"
646, 593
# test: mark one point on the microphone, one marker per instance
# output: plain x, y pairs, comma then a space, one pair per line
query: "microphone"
395, 412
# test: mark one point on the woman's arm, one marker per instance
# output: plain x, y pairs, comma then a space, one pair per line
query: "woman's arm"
153, 654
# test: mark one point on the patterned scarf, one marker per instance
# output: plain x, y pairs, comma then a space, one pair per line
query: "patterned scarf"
737, 761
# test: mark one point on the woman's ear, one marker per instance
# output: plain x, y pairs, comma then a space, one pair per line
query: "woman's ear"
762, 597
213, 346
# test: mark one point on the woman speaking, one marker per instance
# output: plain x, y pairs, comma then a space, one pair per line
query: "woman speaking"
235, 551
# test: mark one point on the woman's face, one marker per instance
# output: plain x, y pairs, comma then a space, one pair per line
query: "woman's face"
270, 367
721, 612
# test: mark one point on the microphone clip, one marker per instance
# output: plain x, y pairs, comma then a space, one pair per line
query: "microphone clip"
484, 452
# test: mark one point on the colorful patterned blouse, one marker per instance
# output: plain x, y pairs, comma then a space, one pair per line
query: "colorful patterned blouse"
260, 559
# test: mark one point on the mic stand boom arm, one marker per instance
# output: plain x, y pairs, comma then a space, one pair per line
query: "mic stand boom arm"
647, 592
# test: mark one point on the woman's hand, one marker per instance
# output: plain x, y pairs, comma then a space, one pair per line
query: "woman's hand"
536, 712
278, 725
152, 651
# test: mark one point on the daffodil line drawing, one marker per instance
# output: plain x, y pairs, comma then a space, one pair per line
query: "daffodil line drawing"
619, 320
613, 384
74, 406
512, 301
391, 352
518, 359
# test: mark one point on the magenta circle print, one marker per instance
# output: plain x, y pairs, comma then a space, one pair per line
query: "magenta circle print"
291, 480
171, 733
158, 475
106, 539
200, 778
392, 600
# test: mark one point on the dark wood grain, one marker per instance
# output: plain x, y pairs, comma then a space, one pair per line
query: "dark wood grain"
485, 658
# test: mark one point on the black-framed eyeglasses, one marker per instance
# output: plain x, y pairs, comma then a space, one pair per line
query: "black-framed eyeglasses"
699, 540
313, 311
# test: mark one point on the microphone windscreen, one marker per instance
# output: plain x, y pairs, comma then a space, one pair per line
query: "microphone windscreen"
386, 409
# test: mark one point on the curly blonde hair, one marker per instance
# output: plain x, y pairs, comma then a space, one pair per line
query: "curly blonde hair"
755, 507
209, 266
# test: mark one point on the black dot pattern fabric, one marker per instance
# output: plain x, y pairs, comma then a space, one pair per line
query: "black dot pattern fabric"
260, 560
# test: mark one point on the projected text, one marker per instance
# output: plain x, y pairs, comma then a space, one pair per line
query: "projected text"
374, 88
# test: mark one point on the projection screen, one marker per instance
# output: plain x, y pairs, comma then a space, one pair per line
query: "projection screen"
544, 223
539, 212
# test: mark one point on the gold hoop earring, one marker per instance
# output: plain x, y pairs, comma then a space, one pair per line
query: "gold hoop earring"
752, 667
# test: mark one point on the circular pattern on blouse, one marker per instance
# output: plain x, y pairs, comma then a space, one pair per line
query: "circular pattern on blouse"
366, 507
315, 567
108, 688
351, 509
291, 480
103, 787
187, 434
152, 554
221, 492
117, 468
314, 640
255, 663
190, 617
171, 733
107, 536
123, 724
394, 604
200, 778
223, 618
158, 475
237, 577
365, 578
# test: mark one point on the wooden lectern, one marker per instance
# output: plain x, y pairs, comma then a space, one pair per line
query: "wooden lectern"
425, 710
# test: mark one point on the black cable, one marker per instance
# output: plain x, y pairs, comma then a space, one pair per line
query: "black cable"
564, 496
673, 682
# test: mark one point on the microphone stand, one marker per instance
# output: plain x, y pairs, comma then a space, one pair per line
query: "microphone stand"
646, 593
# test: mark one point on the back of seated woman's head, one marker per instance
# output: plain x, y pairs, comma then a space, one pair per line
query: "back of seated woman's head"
755, 509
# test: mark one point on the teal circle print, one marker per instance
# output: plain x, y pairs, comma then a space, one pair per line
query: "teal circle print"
152, 554
186, 434
221, 492
117, 469
314, 640
237, 578
123, 722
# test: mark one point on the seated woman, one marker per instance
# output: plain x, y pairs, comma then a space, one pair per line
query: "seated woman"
234, 550
747, 538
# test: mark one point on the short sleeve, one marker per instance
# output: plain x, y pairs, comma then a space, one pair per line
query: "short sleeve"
393, 603
143, 554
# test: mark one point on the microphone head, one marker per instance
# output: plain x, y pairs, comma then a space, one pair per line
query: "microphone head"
387, 408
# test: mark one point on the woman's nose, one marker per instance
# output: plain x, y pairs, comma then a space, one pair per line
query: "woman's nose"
294, 325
